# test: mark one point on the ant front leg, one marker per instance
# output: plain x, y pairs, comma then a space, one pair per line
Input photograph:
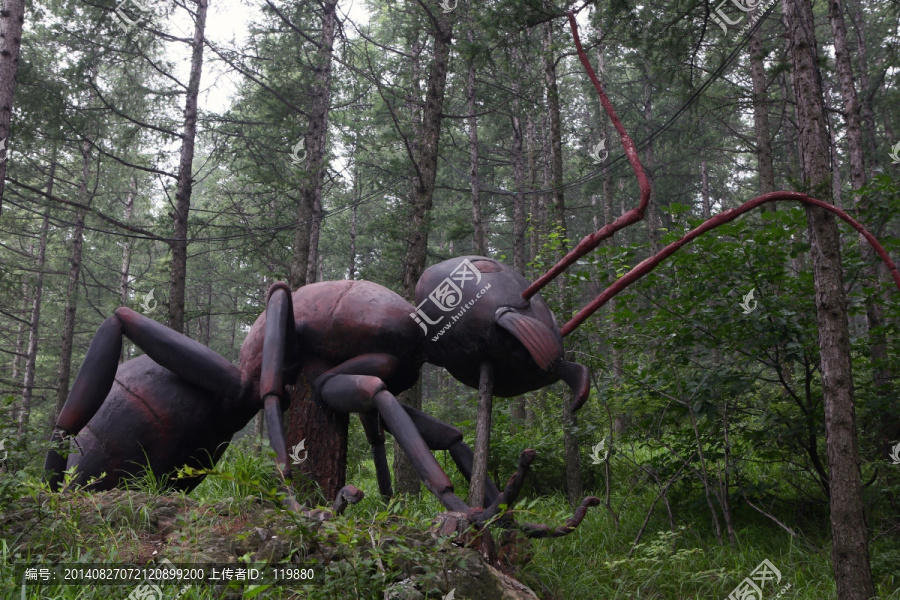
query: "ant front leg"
279, 327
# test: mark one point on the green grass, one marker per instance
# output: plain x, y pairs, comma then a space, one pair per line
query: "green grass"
590, 564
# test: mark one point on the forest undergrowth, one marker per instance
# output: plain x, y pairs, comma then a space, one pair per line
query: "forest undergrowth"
599, 560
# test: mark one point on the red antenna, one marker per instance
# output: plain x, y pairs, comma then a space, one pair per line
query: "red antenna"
636, 214
632, 216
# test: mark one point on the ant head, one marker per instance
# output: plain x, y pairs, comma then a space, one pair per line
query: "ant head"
471, 310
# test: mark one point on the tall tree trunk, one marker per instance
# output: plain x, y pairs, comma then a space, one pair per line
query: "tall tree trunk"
420, 196
125, 271
477, 218
517, 155
35, 323
533, 206
12, 18
68, 334
654, 222
324, 429
420, 203
317, 136
704, 189
856, 144
848, 93
518, 160
555, 141
20, 335
867, 113
850, 554
351, 270
761, 114
185, 175
572, 454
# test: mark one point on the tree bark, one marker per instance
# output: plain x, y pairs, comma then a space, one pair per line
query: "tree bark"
185, 176
850, 555
351, 270
477, 218
317, 137
68, 334
518, 163
420, 203
572, 454
420, 196
848, 93
126, 247
704, 189
482, 434
856, 146
867, 112
761, 115
324, 429
533, 216
12, 17
654, 222
35, 323
555, 141
325, 432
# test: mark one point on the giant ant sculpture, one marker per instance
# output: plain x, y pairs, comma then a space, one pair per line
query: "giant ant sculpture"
361, 344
